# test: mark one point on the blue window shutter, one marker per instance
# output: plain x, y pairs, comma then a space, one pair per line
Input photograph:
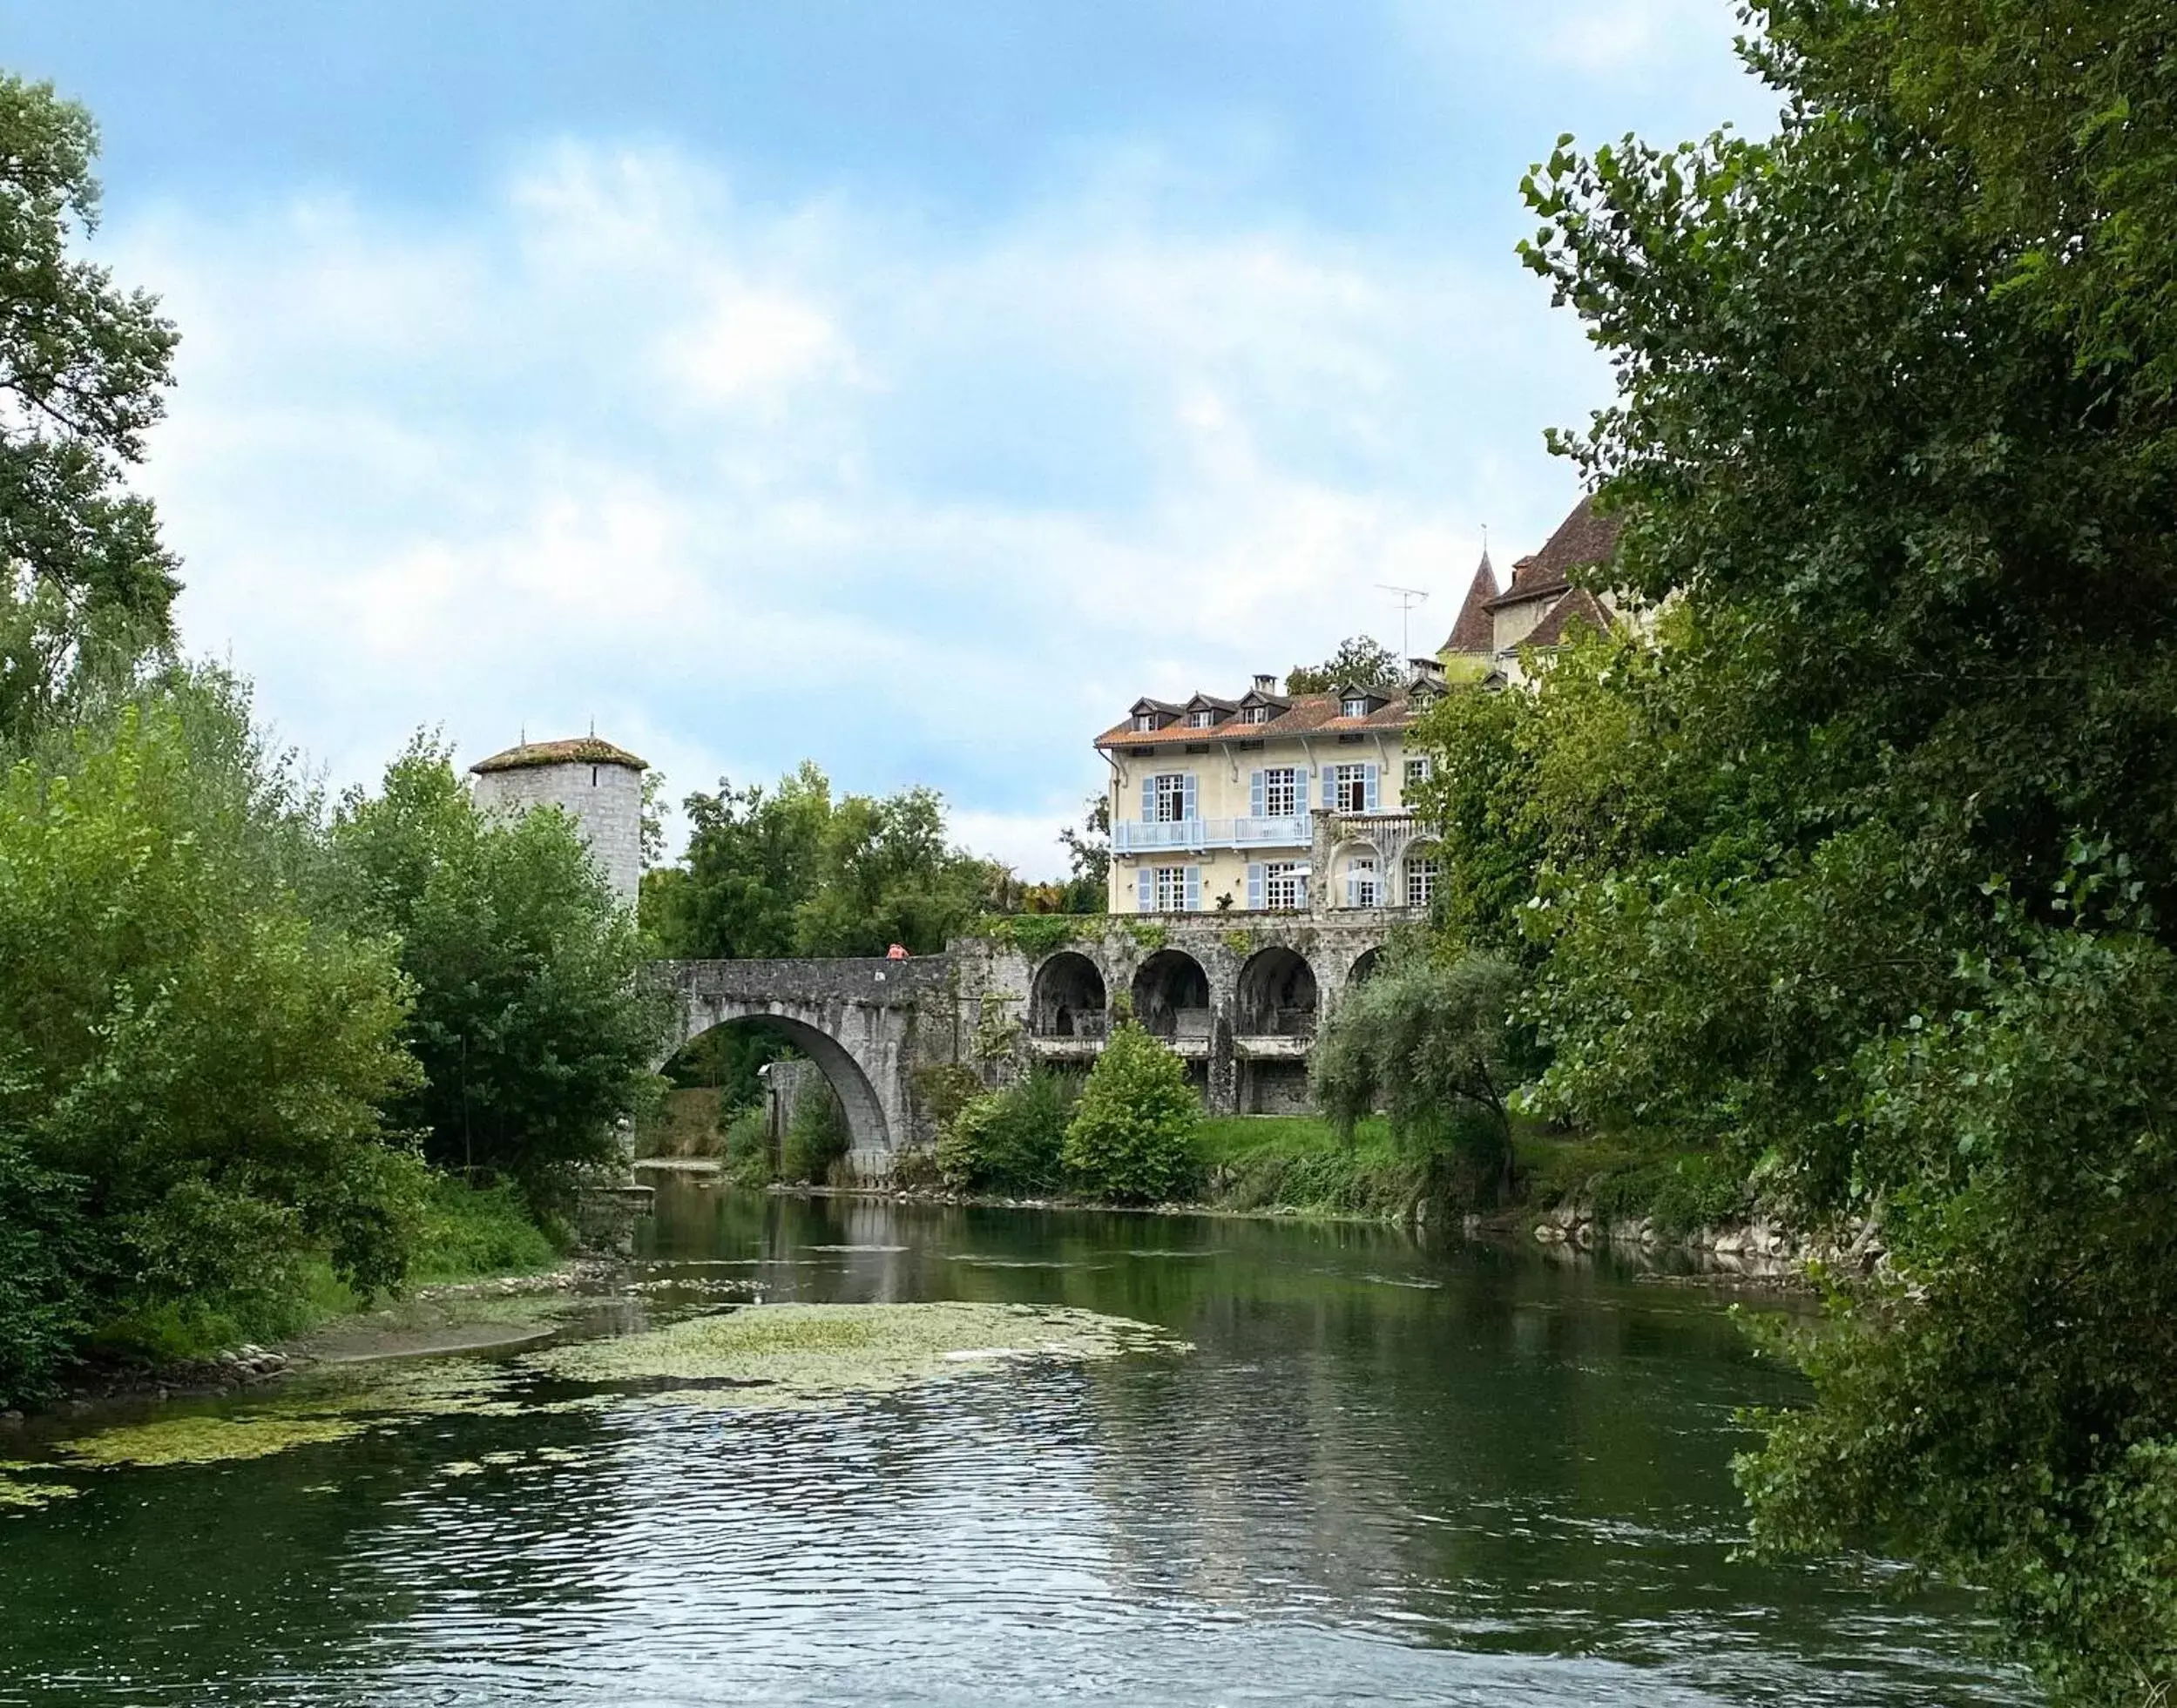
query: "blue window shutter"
1194, 889
1300, 790
1149, 799
1254, 884
1254, 794
1145, 888
1189, 813
1369, 784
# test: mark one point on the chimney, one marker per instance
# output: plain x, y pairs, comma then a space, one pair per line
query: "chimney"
1265, 685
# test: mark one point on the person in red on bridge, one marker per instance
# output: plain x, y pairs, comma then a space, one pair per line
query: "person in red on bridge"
897, 952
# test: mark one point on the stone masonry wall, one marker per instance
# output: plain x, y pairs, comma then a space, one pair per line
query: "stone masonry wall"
606, 802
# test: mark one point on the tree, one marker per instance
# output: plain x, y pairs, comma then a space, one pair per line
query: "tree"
1131, 1138
1893, 437
1362, 661
192, 1068
83, 365
533, 1036
790, 871
1432, 1042
1088, 852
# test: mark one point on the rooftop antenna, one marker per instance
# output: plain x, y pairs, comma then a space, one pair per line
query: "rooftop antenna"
1408, 599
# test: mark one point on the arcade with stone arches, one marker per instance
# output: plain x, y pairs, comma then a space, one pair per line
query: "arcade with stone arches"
1240, 1004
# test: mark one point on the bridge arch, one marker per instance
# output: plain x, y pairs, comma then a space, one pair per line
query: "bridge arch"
867, 1128
866, 1023
1067, 997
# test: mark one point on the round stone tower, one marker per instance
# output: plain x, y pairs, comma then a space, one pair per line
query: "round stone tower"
599, 785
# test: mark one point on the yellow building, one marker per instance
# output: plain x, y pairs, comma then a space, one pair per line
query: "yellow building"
1268, 801
1296, 803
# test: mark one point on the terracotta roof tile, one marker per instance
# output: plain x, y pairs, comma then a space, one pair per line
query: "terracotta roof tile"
1474, 631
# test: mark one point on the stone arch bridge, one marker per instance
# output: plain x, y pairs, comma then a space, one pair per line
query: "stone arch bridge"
1240, 1002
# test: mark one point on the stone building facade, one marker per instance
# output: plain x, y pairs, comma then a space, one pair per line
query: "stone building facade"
598, 785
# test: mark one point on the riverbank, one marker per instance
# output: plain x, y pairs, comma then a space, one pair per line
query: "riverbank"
474, 1242
1569, 1193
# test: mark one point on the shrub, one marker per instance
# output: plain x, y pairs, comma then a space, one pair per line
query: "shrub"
748, 1148
1132, 1139
816, 1138
1009, 1141
479, 1231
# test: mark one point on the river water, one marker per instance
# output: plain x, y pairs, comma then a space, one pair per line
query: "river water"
1384, 1473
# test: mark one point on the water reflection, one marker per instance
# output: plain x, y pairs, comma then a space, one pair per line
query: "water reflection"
1386, 1473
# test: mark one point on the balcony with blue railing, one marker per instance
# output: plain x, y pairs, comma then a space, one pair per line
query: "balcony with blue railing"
1195, 836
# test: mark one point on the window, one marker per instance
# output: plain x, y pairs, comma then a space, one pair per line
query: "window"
1204, 719
1279, 793
1357, 706
1360, 882
1416, 771
1171, 797
1255, 714
1171, 890
1284, 885
1144, 720
1349, 788
1421, 880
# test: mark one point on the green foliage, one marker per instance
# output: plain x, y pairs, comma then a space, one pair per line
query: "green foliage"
1009, 1141
1033, 935
1362, 661
1432, 1042
1131, 1139
46, 1253
531, 1032
470, 1230
84, 365
1149, 936
1300, 1162
816, 1138
792, 871
1881, 907
748, 1158
191, 1070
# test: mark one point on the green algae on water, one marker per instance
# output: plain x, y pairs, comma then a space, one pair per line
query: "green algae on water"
779, 1356
204, 1440
22, 1494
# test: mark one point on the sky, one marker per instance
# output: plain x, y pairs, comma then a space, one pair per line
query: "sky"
907, 388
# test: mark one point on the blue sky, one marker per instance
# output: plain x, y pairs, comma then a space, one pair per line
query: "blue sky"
906, 388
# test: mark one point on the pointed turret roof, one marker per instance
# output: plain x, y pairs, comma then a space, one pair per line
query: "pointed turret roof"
1475, 631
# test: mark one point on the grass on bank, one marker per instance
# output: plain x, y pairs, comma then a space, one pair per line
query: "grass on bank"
469, 1233
1298, 1163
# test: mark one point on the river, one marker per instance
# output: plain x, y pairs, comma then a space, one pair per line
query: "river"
1380, 1471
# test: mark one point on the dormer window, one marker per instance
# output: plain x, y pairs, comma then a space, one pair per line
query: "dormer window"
1204, 719
1144, 720
1356, 705
1255, 714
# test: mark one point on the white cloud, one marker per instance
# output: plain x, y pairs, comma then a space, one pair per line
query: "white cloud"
745, 483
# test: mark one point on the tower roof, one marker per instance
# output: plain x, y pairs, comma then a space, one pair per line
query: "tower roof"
1474, 631
580, 750
1581, 539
